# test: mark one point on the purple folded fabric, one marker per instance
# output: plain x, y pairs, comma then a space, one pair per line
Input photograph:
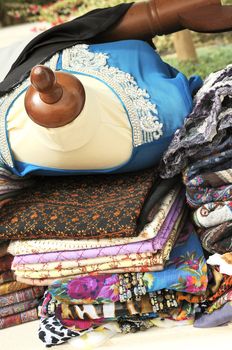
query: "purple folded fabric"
217, 318
151, 245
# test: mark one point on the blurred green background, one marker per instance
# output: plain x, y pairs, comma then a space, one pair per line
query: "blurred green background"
214, 51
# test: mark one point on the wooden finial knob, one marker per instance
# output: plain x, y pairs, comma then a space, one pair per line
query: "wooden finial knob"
44, 81
54, 99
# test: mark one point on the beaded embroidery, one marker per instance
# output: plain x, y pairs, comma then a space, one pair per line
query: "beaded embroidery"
5, 103
142, 113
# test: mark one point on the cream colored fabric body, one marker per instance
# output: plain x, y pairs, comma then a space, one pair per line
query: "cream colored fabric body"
101, 136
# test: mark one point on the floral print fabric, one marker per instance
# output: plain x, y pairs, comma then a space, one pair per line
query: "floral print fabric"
188, 274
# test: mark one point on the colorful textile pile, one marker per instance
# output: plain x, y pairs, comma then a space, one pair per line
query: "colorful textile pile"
135, 300
18, 301
202, 151
148, 273
118, 252
148, 251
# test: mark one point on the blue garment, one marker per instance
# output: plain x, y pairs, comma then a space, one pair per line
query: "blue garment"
159, 94
185, 271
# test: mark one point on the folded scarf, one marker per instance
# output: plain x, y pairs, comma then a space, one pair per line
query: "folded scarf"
22, 295
22, 317
210, 118
197, 196
218, 303
217, 239
19, 307
11, 287
219, 317
213, 214
136, 262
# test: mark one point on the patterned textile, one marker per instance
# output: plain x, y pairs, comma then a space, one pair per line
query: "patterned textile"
52, 332
217, 239
220, 302
224, 287
11, 287
47, 245
208, 177
7, 276
153, 262
93, 206
213, 214
196, 196
217, 318
140, 247
223, 261
19, 307
212, 171
160, 301
210, 118
22, 317
185, 272
5, 263
22, 295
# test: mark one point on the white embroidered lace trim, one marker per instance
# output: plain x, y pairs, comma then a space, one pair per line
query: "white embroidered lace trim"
142, 113
5, 103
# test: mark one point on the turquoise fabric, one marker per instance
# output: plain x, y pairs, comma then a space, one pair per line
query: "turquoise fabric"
167, 88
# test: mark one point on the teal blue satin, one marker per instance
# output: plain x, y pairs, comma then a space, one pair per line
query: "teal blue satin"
169, 89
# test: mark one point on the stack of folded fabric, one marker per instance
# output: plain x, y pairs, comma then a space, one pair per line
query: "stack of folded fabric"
202, 151
103, 210
137, 301
18, 301
123, 241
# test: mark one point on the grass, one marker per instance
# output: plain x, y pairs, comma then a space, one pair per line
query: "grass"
210, 59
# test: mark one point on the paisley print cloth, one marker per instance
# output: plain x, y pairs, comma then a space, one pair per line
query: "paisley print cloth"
22, 295
22, 317
19, 307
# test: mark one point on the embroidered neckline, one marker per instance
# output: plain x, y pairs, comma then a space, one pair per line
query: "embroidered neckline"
143, 114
